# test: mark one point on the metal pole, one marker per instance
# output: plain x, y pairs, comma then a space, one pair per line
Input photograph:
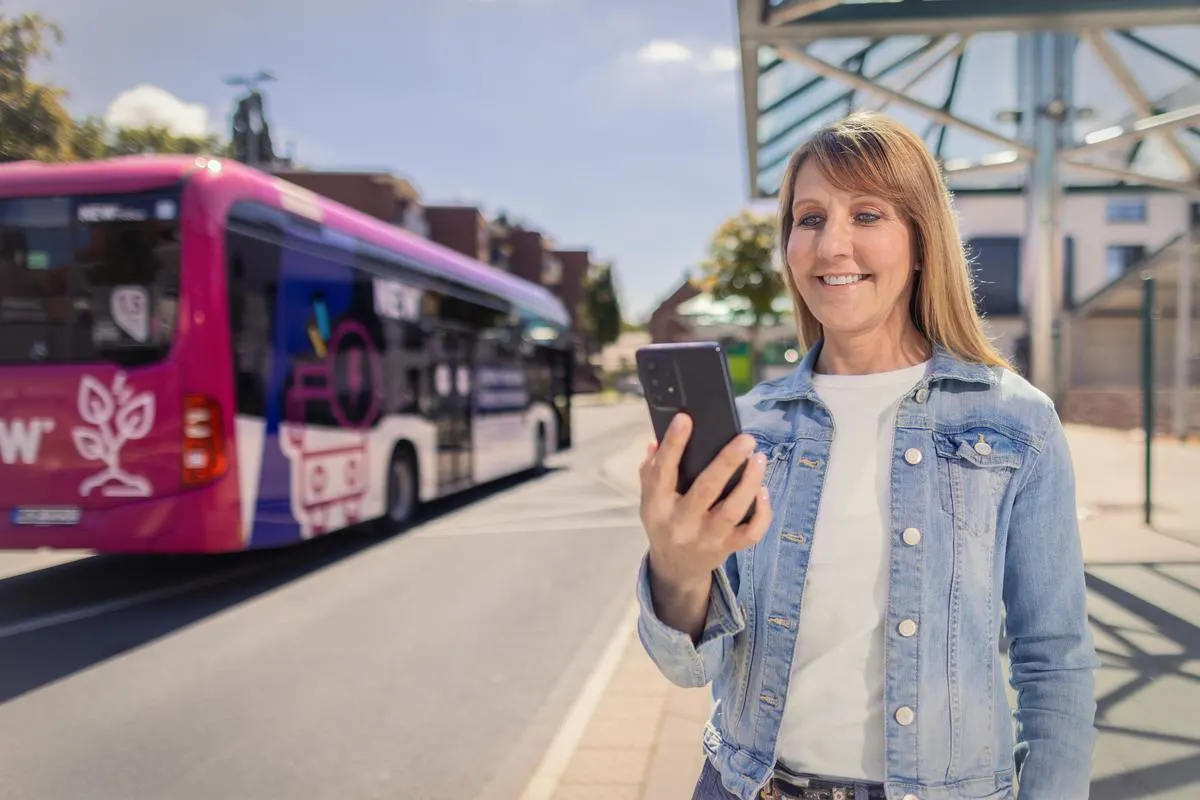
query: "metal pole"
1042, 110
1148, 387
1183, 329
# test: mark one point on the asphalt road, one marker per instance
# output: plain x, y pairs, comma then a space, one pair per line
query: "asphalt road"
433, 664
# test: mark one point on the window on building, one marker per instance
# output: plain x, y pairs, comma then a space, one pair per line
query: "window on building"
996, 262
1122, 210
1120, 257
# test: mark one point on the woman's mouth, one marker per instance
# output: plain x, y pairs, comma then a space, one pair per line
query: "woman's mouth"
843, 280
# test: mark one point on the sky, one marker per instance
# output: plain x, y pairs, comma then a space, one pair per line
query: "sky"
613, 125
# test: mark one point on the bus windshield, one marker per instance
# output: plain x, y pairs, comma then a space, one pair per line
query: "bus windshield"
89, 278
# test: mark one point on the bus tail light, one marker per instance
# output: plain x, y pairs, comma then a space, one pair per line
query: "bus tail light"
204, 458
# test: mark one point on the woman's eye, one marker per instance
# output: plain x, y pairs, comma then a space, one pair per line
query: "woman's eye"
808, 220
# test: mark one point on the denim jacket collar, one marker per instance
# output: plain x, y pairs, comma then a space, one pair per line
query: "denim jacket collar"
946, 366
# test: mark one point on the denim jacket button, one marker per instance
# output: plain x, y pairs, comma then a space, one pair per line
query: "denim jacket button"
905, 715
911, 536
983, 448
922, 395
913, 456
907, 628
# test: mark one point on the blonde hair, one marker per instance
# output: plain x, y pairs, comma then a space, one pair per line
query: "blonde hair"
869, 152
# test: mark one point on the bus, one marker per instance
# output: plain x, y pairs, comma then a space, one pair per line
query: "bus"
197, 357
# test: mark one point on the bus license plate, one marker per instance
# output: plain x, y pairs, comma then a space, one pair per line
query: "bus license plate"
44, 516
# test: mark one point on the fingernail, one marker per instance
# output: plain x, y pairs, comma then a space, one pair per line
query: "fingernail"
763, 494
676, 423
760, 459
746, 445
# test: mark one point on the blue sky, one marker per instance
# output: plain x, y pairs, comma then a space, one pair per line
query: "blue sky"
540, 107
608, 124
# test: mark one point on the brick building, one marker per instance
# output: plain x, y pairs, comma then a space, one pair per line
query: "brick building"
463, 229
382, 195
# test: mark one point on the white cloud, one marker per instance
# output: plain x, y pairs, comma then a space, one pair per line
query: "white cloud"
663, 51
150, 105
666, 54
722, 59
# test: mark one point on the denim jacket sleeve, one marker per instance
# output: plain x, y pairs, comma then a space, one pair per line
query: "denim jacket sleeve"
1051, 652
684, 662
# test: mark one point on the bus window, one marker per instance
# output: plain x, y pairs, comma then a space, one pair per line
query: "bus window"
88, 278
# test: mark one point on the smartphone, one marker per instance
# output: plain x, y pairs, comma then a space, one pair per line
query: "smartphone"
692, 378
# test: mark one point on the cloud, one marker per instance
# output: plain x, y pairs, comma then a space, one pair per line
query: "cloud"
660, 53
150, 105
663, 51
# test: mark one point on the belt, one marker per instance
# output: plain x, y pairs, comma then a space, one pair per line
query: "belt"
798, 788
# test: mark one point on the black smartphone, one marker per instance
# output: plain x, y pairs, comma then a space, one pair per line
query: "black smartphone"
692, 378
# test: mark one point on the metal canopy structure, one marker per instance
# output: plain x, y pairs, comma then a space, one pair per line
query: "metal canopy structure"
1039, 94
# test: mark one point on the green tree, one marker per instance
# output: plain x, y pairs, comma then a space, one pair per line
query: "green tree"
602, 307
740, 265
33, 122
159, 139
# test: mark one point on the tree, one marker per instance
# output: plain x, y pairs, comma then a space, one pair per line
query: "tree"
740, 265
33, 122
159, 139
602, 307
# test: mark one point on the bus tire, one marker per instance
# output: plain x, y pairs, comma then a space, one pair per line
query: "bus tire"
402, 499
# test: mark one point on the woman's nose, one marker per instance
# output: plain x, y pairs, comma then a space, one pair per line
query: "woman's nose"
833, 241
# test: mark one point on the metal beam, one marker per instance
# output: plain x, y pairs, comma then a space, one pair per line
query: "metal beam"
747, 19
799, 9
1183, 326
1138, 129
1150, 47
1133, 177
956, 50
932, 112
812, 83
997, 162
946, 106
1066, 21
816, 112
1141, 104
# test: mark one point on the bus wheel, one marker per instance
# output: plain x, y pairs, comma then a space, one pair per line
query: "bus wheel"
402, 500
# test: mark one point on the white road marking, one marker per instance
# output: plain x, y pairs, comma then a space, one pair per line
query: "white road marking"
98, 609
562, 748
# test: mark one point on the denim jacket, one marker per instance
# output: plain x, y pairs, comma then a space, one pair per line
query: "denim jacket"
983, 525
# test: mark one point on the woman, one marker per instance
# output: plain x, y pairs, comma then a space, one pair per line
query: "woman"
912, 491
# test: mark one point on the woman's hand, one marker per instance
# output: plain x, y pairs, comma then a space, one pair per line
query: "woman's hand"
689, 535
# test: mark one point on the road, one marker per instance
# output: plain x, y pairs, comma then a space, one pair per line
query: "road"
437, 663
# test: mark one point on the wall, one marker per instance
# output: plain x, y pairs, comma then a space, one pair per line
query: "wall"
1084, 218
461, 228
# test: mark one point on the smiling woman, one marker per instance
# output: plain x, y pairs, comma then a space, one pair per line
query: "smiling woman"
915, 491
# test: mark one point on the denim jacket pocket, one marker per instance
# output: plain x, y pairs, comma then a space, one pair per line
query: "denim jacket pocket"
975, 467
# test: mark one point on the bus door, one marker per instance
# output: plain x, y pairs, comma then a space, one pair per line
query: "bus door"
452, 348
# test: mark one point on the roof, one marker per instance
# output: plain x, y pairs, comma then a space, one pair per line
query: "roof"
1123, 296
949, 70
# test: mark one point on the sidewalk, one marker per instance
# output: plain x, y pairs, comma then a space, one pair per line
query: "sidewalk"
643, 741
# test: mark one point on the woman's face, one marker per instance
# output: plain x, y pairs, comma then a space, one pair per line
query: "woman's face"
851, 256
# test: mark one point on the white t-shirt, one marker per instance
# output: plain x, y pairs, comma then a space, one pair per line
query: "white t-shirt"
833, 720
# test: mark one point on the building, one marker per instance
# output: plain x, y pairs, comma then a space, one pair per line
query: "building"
573, 284
666, 323
1111, 235
463, 229
1106, 232
380, 194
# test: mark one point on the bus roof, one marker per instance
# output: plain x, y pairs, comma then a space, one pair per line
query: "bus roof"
138, 173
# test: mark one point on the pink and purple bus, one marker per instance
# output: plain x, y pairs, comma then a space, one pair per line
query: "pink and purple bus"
198, 357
